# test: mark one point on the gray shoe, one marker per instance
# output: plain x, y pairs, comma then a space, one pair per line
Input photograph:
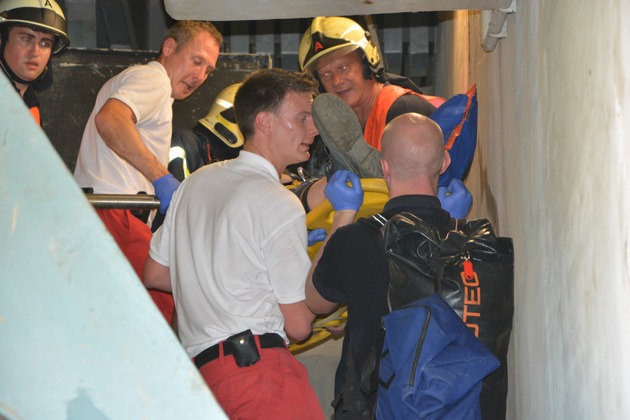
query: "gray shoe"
341, 131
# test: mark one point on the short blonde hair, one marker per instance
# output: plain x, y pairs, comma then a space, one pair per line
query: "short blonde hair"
185, 30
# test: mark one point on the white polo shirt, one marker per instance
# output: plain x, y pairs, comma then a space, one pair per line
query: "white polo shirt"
235, 241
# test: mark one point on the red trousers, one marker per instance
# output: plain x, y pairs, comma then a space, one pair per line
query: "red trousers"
134, 239
276, 387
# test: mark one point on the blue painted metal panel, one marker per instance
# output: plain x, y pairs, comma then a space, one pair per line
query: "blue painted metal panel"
79, 336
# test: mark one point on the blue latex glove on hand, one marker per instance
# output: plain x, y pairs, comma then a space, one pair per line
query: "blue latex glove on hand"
164, 188
455, 199
316, 235
341, 195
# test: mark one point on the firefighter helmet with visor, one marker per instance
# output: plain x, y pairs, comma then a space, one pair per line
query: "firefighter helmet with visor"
339, 35
220, 119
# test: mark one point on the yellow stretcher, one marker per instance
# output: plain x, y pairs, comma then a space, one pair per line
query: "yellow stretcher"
375, 195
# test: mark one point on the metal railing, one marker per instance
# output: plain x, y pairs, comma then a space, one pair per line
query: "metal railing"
123, 201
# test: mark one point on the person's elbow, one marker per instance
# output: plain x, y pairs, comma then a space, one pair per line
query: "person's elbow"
316, 303
104, 120
156, 275
298, 320
113, 123
299, 332
148, 281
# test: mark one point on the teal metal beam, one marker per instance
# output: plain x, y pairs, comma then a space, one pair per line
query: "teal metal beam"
79, 336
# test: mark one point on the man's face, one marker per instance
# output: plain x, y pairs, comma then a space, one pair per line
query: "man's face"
343, 76
189, 66
293, 129
27, 52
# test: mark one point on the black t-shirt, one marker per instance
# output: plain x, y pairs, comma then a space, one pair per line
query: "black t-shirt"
353, 270
409, 103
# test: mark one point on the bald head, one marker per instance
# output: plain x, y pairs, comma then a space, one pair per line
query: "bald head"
412, 148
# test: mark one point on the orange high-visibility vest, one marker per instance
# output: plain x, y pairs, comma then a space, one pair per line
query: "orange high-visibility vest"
378, 116
35, 113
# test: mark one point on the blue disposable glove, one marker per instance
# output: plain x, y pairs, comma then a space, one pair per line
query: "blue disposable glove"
455, 199
164, 188
316, 235
341, 195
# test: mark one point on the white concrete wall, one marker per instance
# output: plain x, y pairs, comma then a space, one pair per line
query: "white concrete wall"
551, 172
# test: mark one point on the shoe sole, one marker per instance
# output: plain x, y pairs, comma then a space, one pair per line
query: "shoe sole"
341, 131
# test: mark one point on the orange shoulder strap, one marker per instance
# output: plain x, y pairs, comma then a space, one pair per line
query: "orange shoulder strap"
378, 116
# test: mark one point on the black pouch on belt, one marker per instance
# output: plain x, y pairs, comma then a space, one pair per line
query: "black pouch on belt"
244, 348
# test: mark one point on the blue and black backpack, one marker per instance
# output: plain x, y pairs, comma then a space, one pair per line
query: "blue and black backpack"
443, 353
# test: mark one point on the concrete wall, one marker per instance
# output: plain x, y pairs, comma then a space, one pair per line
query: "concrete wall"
551, 172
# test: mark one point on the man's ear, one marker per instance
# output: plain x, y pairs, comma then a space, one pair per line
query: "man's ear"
264, 123
169, 47
384, 167
446, 163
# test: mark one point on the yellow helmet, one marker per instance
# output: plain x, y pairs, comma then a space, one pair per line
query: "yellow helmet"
220, 119
42, 15
329, 34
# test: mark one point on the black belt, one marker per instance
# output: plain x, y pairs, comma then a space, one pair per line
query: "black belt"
267, 341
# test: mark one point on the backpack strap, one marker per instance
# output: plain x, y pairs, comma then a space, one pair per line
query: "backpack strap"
380, 219
376, 221
369, 370
456, 225
353, 402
